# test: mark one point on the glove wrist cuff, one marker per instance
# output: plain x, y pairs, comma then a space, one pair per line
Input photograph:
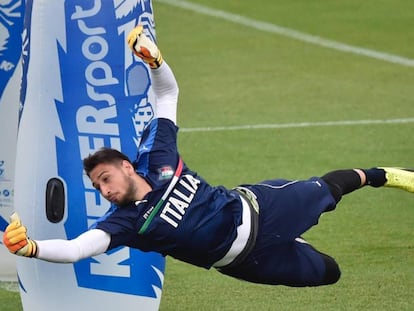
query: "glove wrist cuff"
33, 249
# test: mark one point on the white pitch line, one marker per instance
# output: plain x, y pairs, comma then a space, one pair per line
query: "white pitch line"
291, 33
296, 125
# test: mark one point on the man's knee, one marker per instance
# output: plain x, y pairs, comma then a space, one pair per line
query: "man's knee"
341, 182
335, 190
332, 271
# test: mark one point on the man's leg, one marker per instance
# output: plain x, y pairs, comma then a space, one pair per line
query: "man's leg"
342, 182
294, 263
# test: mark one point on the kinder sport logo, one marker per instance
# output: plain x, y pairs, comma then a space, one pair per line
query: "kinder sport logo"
106, 102
11, 25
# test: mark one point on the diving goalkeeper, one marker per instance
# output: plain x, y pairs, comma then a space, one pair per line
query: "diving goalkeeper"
251, 232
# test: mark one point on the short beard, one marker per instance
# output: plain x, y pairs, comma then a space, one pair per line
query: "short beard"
130, 193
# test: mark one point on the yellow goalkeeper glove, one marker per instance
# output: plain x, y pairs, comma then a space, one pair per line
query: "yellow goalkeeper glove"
144, 48
16, 240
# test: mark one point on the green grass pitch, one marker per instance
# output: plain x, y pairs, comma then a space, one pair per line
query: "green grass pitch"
234, 75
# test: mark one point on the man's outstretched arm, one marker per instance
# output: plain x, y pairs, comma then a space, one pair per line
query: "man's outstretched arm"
163, 81
88, 244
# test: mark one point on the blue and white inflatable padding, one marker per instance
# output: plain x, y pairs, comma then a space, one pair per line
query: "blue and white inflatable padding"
82, 89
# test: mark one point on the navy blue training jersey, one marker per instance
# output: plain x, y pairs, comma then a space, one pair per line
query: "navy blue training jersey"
196, 223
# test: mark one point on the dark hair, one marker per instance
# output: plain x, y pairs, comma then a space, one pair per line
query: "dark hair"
103, 155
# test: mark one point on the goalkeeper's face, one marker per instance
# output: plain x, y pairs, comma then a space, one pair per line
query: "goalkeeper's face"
115, 182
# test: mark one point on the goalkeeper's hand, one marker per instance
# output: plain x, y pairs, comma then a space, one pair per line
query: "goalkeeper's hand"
144, 48
16, 240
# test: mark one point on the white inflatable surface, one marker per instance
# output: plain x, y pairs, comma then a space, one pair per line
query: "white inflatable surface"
82, 89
